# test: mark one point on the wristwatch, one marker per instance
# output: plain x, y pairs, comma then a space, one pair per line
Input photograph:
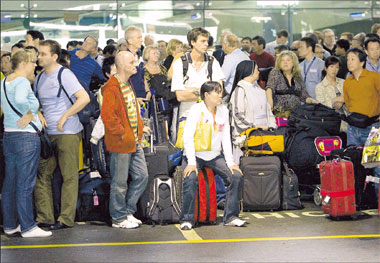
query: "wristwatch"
196, 92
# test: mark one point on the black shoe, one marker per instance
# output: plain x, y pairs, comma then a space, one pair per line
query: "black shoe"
58, 226
44, 225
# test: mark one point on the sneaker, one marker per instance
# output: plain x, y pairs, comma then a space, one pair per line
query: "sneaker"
133, 219
13, 231
36, 232
125, 224
186, 226
236, 222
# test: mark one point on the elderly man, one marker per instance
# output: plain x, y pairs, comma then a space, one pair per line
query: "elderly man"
230, 45
329, 41
123, 132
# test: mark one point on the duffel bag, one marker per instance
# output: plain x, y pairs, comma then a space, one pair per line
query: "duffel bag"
258, 141
315, 115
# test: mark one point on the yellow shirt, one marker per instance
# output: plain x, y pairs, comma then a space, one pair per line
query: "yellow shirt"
363, 95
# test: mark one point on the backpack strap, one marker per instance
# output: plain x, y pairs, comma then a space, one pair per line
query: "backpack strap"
209, 60
61, 87
186, 59
36, 87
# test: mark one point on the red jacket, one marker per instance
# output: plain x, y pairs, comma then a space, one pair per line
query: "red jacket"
116, 122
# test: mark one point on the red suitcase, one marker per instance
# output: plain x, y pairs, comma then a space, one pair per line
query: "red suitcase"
205, 198
337, 187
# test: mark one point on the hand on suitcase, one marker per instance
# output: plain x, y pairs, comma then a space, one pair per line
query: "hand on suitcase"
189, 169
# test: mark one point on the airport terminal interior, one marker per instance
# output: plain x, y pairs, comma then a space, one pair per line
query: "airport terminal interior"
303, 235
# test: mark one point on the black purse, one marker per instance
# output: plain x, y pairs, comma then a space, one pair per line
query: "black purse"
46, 146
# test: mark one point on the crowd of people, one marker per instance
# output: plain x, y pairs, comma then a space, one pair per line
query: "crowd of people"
240, 84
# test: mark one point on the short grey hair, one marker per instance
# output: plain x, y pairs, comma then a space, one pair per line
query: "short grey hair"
130, 30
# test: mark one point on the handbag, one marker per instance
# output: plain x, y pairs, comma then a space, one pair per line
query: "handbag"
202, 136
360, 120
371, 151
46, 146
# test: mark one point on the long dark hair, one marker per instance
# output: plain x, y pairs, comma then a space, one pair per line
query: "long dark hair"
331, 60
243, 70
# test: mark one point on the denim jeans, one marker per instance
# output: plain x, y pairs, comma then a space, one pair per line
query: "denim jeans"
357, 136
232, 181
22, 155
124, 198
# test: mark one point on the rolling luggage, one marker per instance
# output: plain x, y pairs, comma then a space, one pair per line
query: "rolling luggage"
365, 196
337, 187
205, 198
262, 183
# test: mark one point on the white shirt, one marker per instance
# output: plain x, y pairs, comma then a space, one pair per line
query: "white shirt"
220, 134
195, 80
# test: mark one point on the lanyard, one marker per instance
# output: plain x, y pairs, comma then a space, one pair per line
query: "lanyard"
305, 71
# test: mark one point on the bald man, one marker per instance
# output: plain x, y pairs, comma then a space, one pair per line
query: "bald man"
123, 132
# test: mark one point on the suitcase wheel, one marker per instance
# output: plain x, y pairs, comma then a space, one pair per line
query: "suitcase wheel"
317, 196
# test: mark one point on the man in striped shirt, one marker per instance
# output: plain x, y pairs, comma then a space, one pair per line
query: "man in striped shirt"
123, 132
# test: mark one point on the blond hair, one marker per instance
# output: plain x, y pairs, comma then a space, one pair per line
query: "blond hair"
20, 56
129, 32
172, 45
146, 52
296, 71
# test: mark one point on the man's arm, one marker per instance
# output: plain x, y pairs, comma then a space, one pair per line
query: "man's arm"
82, 99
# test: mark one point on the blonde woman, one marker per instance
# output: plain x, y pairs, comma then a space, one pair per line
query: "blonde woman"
21, 147
285, 87
174, 48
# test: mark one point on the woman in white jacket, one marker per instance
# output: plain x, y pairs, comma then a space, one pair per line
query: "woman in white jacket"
249, 106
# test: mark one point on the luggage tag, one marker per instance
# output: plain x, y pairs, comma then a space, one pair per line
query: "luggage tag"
95, 198
326, 200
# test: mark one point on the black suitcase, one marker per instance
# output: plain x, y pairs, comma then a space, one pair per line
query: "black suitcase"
262, 182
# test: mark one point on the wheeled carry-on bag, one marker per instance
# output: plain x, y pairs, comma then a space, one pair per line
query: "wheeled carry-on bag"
337, 187
205, 198
262, 182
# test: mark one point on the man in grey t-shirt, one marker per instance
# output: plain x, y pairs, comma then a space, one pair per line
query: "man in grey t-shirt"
64, 129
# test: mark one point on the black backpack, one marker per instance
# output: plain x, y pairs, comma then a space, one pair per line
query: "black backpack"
186, 59
161, 86
315, 115
90, 110
164, 208
300, 151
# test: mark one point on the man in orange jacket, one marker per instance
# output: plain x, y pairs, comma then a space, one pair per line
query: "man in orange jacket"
123, 132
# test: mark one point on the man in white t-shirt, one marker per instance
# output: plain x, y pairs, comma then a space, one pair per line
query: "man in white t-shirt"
187, 87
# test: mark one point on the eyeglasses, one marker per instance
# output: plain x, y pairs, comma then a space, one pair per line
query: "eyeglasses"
293, 49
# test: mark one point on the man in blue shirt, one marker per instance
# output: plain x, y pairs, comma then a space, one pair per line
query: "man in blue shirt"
64, 129
82, 64
230, 45
372, 49
133, 36
311, 67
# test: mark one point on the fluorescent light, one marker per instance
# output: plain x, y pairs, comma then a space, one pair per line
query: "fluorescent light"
259, 19
276, 3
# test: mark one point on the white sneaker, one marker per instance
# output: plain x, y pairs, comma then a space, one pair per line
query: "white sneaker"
186, 226
125, 224
13, 231
133, 219
36, 232
236, 222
